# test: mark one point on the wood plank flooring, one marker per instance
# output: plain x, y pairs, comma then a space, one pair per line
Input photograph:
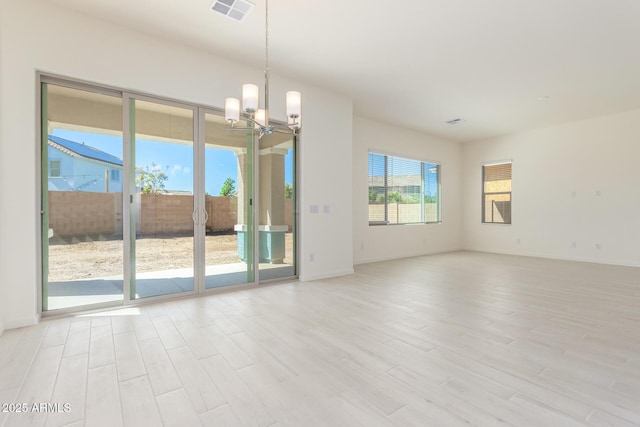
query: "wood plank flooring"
454, 339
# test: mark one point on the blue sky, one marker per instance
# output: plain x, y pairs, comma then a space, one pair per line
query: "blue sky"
175, 159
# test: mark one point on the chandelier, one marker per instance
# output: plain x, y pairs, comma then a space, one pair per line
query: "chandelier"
259, 117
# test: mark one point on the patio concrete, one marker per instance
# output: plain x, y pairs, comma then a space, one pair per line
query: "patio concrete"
75, 293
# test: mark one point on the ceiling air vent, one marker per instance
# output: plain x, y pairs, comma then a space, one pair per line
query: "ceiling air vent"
234, 9
455, 121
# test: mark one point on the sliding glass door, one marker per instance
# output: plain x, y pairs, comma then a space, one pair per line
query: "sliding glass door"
163, 210
229, 194
148, 198
276, 205
82, 183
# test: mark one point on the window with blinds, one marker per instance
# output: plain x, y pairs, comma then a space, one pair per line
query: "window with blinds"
403, 191
496, 193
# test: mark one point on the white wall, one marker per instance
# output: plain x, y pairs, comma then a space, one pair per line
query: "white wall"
3, 205
326, 180
375, 243
590, 157
42, 36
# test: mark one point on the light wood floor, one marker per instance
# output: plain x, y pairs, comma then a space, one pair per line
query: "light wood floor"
444, 340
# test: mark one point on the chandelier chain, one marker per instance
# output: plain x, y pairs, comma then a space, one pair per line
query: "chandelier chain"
266, 56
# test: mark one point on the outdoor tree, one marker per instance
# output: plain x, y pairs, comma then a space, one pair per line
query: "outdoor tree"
394, 197
228, 188
151, 179
430, 199
288, 191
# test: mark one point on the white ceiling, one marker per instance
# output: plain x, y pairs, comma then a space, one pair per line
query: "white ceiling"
419, 63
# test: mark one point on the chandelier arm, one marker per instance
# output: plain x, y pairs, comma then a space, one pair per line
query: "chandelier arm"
267, 130
240, 128
276, 127
252, 120
289, 131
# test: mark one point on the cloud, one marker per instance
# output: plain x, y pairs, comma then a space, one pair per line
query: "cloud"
176, 169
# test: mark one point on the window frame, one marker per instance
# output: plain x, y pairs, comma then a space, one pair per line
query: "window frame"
422, 164
484, 193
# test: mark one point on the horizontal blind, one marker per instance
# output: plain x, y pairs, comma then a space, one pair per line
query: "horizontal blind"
497, 178
404, 190
497, 193
377, 188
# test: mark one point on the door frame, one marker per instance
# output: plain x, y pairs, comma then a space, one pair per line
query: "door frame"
129, 194
255, 201
44, 78
42, 135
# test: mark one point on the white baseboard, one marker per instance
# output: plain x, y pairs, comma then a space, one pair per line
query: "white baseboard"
20, 323
621, 263
325, 275
394, 257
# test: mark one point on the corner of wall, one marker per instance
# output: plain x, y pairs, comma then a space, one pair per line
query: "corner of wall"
325, 275
587, 213
21, 322
372, 244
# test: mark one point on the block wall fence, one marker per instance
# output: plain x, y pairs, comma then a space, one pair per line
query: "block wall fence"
82, 214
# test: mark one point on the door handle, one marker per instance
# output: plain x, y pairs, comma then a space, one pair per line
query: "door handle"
206, 216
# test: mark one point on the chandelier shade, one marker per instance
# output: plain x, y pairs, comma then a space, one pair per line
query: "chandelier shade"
250, 98
294, 104
261, 118
231, 110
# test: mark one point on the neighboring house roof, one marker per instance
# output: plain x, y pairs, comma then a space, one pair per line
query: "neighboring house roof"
81, 150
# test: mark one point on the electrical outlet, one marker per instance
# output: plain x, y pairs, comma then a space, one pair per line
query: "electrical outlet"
518, 240
312, 257
598, 246
573, 244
